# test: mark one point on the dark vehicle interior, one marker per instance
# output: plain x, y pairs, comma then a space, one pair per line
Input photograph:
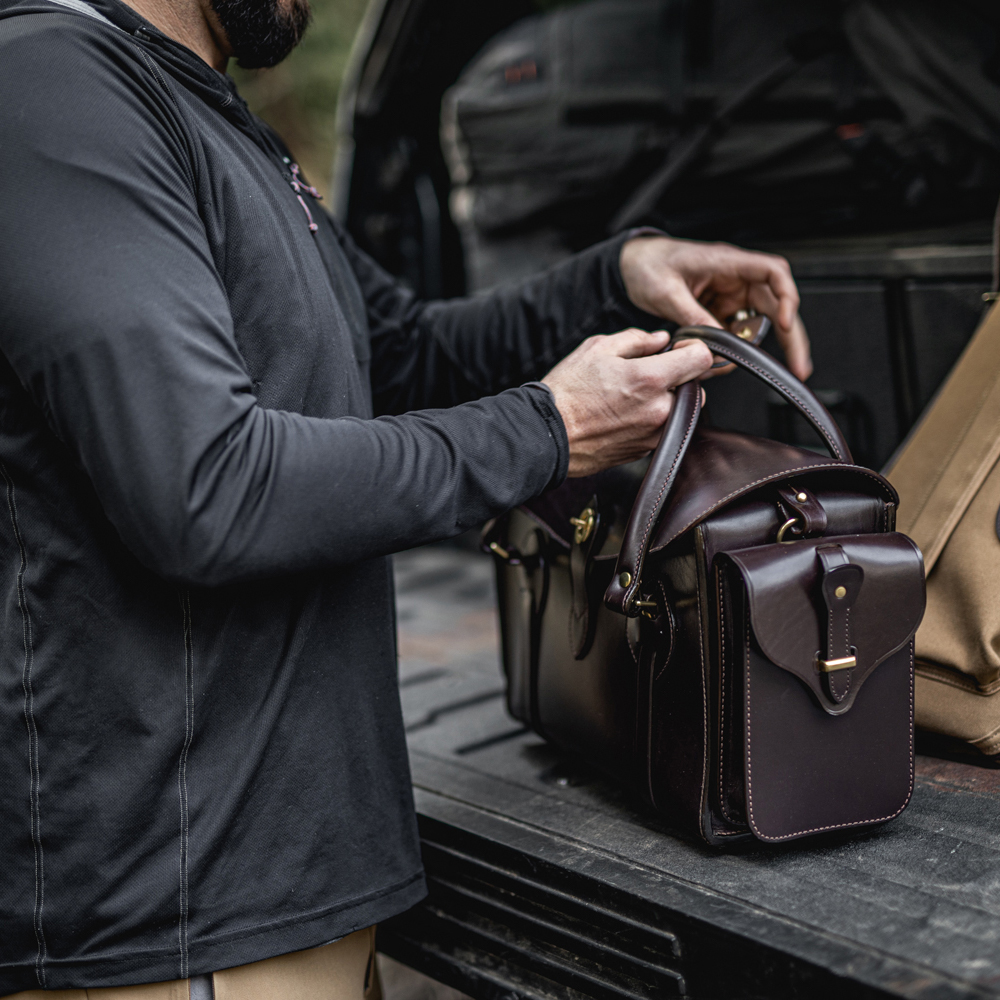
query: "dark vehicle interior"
480, 143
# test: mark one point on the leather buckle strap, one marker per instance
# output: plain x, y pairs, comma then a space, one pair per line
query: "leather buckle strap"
800, 506
840, 585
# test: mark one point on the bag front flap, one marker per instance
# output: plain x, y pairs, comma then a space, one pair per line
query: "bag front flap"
793, 592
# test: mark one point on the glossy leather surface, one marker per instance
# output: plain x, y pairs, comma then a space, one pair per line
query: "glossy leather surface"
615, 489
522, 594
788, 616
588, 704
585, 596
722, 466
671, 453
808, 772
707, 699
840, 583
653, 497
804, 510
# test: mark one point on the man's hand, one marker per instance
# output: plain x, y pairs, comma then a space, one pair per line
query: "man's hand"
613, 394
703, 283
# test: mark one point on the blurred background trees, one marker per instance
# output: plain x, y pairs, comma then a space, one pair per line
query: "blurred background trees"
299, 96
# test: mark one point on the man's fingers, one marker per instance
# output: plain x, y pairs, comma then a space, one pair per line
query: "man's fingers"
795, 344
686, 309
782, 284
688, 360
773, 272
634, 343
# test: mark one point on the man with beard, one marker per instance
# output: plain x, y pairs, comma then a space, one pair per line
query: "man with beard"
217, 418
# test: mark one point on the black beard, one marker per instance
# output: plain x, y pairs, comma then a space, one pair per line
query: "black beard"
259, 32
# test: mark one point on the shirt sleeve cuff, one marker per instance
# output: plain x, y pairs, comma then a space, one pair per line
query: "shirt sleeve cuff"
544, 401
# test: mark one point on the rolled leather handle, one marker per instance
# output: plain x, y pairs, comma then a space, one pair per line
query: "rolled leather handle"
776, 375
677, 434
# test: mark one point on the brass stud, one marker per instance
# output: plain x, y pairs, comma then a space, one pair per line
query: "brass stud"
499, 550
624, 579
740, 315
840, 593
801, 497
745, 334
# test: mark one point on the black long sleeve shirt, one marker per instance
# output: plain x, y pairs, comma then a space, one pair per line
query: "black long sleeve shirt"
217, 416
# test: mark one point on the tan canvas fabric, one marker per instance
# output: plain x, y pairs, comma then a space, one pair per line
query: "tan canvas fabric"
336, 971
344, 970
948, 478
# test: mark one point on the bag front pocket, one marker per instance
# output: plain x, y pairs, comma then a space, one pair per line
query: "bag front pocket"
815, 721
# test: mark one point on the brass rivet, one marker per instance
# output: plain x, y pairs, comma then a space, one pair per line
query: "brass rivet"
745, 334
625, 578
840, 592
801, 497
584, 525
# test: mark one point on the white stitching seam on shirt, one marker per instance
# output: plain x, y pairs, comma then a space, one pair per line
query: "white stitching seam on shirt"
29, 718
182, 788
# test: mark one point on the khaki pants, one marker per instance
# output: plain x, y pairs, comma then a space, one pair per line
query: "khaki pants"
344, 970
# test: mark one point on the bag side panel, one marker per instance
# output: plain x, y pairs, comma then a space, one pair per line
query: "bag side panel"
679, 691
514, 602
520, 597
731, 776
589, 705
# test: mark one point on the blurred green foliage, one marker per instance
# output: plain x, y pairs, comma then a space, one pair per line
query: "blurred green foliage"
299, 96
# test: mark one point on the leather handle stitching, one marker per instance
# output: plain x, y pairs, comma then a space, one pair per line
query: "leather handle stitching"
668, 479
737, 358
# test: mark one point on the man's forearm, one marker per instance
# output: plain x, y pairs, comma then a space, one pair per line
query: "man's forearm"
438, 354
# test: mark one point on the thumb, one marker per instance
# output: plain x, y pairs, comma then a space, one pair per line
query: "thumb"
636, 343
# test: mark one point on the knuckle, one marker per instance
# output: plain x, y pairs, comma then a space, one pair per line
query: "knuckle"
655, 414
647, 379
701, 354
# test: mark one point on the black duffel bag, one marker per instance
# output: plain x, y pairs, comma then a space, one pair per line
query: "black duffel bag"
731, 634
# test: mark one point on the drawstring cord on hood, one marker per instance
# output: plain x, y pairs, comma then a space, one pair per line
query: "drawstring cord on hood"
213, 87
298, 186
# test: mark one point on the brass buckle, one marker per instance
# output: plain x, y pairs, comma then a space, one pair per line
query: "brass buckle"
784, 528
645, 607
584, 525
741, 316
841, 663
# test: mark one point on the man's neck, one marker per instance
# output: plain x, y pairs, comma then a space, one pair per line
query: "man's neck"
192, 23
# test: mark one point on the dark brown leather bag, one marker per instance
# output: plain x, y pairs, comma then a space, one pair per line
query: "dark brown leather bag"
733, 636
